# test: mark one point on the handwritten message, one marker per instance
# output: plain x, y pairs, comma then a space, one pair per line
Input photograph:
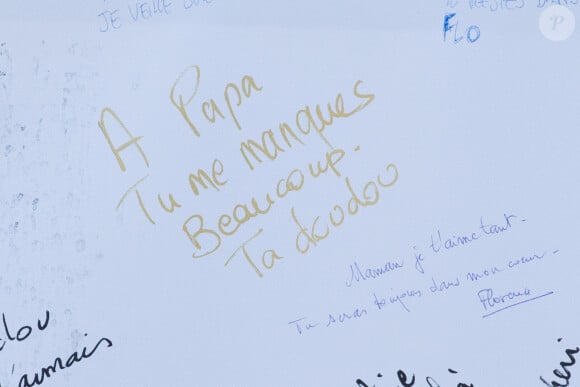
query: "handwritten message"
491, 299
308, 123
12, 335
460, 26
562, 374
111, 19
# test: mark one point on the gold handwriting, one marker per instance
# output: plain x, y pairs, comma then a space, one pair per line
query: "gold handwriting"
319, 228
189, 80
270, 145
